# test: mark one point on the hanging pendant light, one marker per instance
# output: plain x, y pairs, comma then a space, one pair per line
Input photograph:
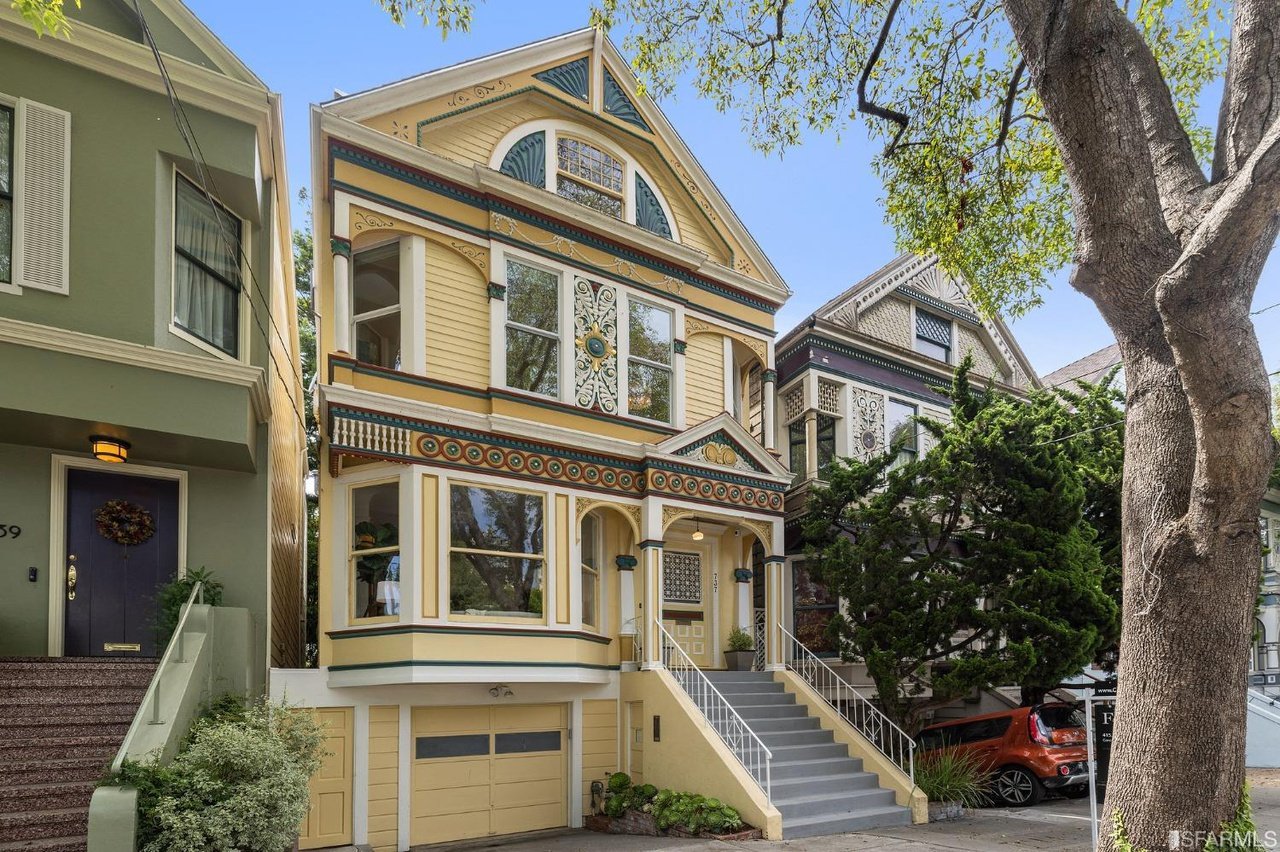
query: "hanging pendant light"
697, 532
109, 449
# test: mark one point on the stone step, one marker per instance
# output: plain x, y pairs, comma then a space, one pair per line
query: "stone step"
813, 826
48, 844
811, 751
89, 712
68, 822
755, 699
717, 677
122, 676
45, 797
795, 788
814, 767
79, 696
737, 687
770, 711
67, 769
27, 727
809, 736
785, 724
832, 803
30, 748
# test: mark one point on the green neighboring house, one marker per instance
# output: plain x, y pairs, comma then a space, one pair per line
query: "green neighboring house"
140, 318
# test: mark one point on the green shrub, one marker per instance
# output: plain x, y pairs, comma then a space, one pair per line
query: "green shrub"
619, 782
172, 595
694, 813
951, 776
239, 782
740, 640
622, 797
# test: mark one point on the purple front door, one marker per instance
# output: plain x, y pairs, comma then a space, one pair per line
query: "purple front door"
111, 610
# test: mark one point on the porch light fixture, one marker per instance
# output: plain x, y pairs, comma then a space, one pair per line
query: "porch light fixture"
697, 532
109, 449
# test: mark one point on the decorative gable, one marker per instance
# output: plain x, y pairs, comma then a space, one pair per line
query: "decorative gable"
722, 442
722, 450
571, 78
617, 104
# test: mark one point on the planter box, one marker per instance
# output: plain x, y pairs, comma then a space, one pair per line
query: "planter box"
945, 811
596, 822
641, 823
739, 661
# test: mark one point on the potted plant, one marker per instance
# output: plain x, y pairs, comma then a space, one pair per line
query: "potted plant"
741, 653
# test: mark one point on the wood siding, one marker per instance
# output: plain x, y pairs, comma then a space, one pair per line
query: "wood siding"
457, 319
703, 377
384, 778
599, 745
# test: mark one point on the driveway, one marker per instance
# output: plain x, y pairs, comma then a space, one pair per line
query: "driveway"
1057, 824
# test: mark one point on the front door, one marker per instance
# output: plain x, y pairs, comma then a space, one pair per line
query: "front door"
122, 545
687, 603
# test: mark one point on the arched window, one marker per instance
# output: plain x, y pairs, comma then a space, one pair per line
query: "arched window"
1259, 656
569, 164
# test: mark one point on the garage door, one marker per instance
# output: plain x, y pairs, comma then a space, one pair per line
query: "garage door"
481, 771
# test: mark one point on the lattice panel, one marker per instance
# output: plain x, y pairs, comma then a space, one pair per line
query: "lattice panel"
681, 577
793, 403
933, 328
828, 397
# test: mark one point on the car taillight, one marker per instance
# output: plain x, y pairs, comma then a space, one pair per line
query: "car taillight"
1033, 730
1064, 769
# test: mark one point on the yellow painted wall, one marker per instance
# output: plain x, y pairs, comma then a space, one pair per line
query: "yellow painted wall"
328, 820
703, 377
634, 743
472, 138
599, 745
478, 646
689, 755
457, 318
384, 777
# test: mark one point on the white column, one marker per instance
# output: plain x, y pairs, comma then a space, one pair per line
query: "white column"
811, 444
769, 404
630, 626
742, 591
411, 542
341, 296
773, 605
650, 616
413, 304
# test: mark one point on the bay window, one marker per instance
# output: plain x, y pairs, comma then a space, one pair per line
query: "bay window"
797, 442
497, 558
533, 329
374, 553
649, 374
207, 283
375, 305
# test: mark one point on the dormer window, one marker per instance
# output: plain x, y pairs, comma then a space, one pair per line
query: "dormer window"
933, 336
572, 163
589, 176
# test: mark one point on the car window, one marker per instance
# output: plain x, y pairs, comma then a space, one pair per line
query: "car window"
984, 729
1058, 716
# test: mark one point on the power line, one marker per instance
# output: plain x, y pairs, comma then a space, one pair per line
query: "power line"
187, 132
1264, 310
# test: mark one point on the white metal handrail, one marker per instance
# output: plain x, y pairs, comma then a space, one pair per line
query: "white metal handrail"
174, 654
858, 711
732, 729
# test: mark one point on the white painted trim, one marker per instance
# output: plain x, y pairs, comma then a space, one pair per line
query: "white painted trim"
60, 465
13, 288
463, 674
413, 304
360, 774
575, 764
17, 263
404, 777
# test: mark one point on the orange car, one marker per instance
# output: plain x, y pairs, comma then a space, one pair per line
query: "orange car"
1028, 750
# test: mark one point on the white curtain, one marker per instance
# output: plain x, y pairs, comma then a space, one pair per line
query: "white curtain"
203, 304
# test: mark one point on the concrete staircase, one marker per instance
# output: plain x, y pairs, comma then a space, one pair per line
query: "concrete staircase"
818, 788
63, 721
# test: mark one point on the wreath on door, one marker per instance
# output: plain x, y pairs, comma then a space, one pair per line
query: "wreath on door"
124, 522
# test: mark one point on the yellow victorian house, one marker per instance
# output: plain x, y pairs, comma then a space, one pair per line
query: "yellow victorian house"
549, 488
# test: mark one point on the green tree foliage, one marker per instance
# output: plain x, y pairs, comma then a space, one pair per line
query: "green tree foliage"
303, 272
45, 16
972, 566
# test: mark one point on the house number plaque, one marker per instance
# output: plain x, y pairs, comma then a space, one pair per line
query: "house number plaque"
10, 530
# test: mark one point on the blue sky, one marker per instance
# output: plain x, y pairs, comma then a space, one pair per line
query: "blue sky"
815, 210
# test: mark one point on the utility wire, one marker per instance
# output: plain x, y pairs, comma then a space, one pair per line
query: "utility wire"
187, 132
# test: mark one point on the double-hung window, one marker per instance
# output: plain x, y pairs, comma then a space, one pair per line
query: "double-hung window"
649, 375
207, 285
589, 176
933, 336
374, 556
591, 560
497, 559
6, 194
797, 445
900, 424
375, 300
533, 329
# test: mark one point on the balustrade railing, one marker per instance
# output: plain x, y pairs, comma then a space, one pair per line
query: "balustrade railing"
858, 711
746, 746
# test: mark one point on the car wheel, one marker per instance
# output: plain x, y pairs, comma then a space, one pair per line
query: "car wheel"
1075, 791
1017, 787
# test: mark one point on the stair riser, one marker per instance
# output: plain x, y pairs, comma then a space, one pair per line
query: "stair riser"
796, 788
845, 806
819, 751
731, 687
101, 753
739, 677
772, 711
59, 730
737, 699
73, 679
785, 726
816, 769
53, 774
41, 825
118, 712
844, 825
14, 801
795, 738
83, 700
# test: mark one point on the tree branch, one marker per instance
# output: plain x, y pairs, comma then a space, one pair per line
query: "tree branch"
1251, 93
865, 105
1010, 95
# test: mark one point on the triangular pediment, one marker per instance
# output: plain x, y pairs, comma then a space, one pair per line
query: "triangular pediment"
722, 442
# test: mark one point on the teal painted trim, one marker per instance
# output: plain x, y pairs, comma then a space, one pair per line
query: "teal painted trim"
769, 376
885, 386
570, 78
399, 664
939, 305
340, 246
649, 213
527, 160
425, 181
679, 346
408, 378
704, 473
401, 630
617, 104
584, 412
625, 562
769, 559
498, 291
652, 542
722, 436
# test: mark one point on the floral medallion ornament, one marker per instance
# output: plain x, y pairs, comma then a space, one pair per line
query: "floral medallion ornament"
595, 326
124, 523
